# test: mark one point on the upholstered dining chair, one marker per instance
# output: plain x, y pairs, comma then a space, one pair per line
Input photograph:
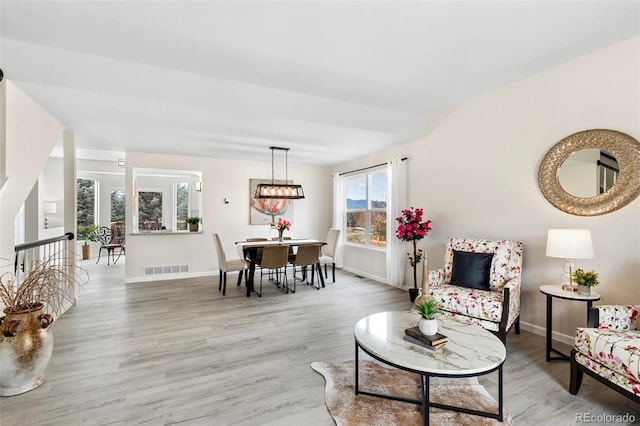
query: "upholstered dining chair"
308, 255
103, 233
328, 254
225, 265
274, 259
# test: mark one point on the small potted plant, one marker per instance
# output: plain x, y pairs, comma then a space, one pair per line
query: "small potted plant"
193, 222
585, 280
428, 324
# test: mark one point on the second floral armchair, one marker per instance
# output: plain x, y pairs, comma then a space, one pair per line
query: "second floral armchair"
609, 350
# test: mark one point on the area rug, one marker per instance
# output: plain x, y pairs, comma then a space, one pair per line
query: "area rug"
347, 409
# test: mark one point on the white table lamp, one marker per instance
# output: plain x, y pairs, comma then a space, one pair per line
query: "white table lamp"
569, 244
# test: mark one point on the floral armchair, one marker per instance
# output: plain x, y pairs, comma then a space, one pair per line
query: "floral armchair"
494, 303
609, 350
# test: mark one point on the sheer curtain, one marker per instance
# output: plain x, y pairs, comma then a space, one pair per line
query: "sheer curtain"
396, 256
338, 211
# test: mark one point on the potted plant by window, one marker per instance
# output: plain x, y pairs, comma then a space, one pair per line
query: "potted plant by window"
428, 324
411, 228
585, 280
26, 342
87, 233
193, 222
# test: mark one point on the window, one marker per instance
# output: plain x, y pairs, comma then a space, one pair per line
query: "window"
117, 206
366, 209
149, 210
117, 216
86, 202
182, 206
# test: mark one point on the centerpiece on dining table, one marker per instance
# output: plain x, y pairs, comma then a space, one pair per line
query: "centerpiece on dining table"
282, 225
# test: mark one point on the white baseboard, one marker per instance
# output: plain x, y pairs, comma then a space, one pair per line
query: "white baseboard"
542, 331
364, 274
164, 277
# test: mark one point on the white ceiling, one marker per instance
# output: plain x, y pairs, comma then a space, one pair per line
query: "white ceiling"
330, 80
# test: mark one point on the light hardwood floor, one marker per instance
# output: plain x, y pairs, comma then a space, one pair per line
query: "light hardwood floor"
178, 352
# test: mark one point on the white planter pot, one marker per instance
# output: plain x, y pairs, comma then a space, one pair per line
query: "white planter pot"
584, 290
428, 327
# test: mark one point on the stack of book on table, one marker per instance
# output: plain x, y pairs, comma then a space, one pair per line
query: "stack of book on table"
434, 342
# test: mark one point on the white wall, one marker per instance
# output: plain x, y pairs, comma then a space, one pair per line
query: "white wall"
52, 190
31, 134
222, 178
475, 174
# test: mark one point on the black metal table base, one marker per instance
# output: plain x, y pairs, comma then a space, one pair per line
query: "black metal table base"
549, 340
425, 399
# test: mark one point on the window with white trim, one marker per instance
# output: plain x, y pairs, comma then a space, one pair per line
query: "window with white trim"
86, 202
366, 209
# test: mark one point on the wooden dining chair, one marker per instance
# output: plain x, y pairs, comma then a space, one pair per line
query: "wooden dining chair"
292, 253
275, 259
258, 251
308, 255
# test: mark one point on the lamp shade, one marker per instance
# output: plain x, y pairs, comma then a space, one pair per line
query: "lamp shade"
569, 244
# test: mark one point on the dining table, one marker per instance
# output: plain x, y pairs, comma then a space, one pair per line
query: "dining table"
250, 248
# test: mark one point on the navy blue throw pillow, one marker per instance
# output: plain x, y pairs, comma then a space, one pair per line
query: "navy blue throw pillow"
471, 270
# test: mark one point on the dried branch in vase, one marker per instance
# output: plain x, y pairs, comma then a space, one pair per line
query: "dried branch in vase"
50, 282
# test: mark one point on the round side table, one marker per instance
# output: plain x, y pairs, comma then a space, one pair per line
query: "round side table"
552, 291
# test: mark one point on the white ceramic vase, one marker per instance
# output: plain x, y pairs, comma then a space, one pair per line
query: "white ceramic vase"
428, 327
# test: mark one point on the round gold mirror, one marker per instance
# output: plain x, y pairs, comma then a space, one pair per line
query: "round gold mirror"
591, 173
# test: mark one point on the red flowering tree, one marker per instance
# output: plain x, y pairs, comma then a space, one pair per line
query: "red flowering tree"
412, 228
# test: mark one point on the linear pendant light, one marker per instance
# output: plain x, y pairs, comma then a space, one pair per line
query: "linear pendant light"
285, 191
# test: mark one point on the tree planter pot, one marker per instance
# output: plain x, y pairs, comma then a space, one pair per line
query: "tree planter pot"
413, 293
86, 251
26, 345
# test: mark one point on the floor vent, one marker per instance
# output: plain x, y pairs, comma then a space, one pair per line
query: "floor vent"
164, 269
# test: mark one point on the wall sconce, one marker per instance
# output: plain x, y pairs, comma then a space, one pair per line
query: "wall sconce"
199, 186
49, 207
121, 162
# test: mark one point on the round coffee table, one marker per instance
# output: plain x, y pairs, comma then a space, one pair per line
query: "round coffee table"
470, 351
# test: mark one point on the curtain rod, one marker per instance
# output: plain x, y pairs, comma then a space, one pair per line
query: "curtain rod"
367, 168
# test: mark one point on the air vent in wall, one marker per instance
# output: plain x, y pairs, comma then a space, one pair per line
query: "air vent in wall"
164, 269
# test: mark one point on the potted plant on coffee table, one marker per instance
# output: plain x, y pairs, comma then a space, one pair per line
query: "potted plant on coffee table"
193, 222
428, 324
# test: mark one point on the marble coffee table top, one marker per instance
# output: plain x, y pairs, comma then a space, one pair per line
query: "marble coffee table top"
469, 350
